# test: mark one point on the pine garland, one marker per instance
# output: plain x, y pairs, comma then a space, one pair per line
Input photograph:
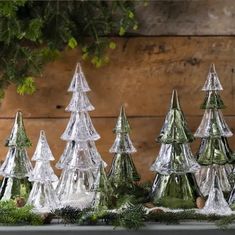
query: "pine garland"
135, 217
131, 217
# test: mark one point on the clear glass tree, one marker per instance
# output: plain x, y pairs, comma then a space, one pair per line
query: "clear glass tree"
123, 173
216, 204
174, 185
80, 159
42, 196
17, 166
214, 155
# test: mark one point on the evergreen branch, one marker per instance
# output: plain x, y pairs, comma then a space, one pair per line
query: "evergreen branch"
29, 24
11, 215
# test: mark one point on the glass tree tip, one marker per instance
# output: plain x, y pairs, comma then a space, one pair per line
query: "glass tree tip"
175, 100
212, 68
212, 82
42, 136
122, 125
78, 68
18, 135
122, 112
42, 133
19, 116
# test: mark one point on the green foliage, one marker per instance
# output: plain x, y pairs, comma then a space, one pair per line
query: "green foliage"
131, 217
136, 195
34, 32
27, 86
70, 215
135, 217
177, 217
11, 215
225, 221
72, 43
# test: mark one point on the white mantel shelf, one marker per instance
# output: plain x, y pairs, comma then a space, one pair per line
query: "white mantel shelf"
189, 228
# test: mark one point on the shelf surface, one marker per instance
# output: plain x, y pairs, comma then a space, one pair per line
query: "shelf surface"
186, 228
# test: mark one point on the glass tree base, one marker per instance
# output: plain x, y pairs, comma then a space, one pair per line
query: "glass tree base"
13, 188
175, 191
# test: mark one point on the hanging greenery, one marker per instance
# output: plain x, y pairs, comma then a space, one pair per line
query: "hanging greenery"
34, 32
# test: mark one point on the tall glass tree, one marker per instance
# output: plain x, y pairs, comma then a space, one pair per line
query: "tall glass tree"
80, 159
214, 155
42, 196
17, 166
123, 174
174, 185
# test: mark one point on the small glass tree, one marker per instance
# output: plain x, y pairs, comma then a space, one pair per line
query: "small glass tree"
214, 155
80, 159
216, 204
123, 174
42, 196
174, 185
17, 166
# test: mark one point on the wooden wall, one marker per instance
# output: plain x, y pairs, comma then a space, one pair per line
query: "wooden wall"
141, 75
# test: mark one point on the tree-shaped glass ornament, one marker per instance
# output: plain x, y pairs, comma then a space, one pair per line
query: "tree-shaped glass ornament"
174, 185
17, 166
42, 196
80, 159
103, 191
214, 154
216, 204
123, 173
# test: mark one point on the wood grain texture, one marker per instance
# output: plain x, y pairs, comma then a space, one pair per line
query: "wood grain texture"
144, 132
185, 17
142, 73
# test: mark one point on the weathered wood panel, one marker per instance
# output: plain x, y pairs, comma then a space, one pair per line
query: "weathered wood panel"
141, 74
185, 17
144, 131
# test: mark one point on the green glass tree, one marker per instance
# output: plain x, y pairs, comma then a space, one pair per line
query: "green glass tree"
123, 173
174, 185
102, 190
214, 155
17, 166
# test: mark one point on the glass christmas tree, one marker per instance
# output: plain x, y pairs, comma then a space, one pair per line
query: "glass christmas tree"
123, 173
42, 196
17, 166
216, 204
174, 185
80, 159
103, 191
214, 155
